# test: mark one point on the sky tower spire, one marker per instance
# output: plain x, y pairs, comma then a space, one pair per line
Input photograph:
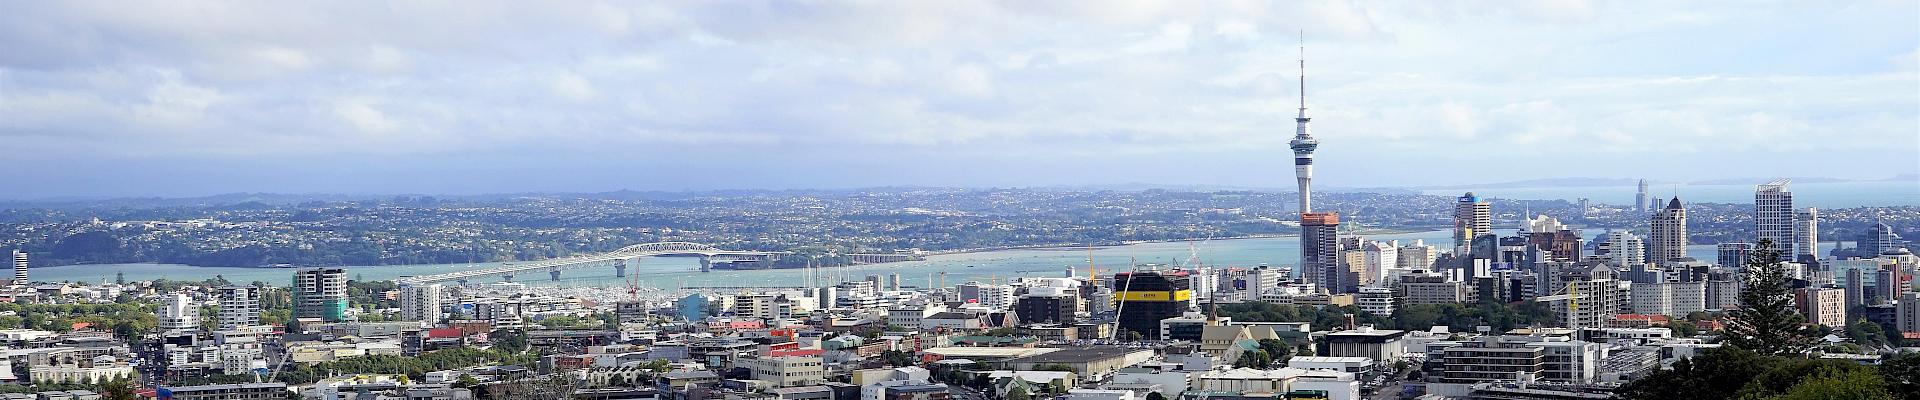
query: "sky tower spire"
1303, 77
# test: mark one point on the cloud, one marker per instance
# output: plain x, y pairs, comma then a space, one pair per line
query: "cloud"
1585, 84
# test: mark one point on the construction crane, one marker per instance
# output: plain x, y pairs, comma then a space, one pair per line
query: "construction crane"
632, 279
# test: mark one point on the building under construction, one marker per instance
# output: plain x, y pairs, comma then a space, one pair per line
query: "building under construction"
1144, 297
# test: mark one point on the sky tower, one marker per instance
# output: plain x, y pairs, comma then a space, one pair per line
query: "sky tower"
1319, 263
1303, 143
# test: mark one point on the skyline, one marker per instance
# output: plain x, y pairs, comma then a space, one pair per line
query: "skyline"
114, 100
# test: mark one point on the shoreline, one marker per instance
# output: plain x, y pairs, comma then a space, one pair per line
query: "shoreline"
1070, 246
1049, 246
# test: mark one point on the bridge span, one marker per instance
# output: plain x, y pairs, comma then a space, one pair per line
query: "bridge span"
616, 259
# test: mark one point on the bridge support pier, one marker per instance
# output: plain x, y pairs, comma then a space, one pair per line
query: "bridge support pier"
555, 274
620, 270
507, 277
462, 281
706, 264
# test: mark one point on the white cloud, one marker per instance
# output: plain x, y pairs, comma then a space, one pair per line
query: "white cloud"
1587, 84
574, 87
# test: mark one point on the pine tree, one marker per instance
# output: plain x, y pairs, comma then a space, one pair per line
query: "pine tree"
1767, 322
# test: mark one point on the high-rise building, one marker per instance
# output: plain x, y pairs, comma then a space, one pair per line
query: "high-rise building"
1375, 300
1561, 242
1876, 239
239, 307
320, 293
1667, 234
1773, 215
1431, 289
1908, 319
1320, 253
1640, 200
1471, 217
178, 314
1887, 283
1824, 306
1046, 308
1856, 284
1144, 297
1806, 235
1733, 255
19, 268
1624, 249
1588, 302
986, 294
1417, 255
420, 302
1380, 260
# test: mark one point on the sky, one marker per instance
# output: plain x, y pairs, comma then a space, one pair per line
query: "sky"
169, 98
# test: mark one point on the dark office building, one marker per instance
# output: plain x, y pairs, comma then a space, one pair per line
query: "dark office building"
1563, 245
1146, 297
1733, 254
1045, 309
1320, 260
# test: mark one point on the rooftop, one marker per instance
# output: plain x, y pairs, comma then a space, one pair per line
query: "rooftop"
1075, 355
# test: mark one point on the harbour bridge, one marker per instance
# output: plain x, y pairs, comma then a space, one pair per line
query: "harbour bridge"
616, 259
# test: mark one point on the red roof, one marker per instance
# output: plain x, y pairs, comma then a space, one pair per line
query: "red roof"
443, 333
796, 353
1638, 317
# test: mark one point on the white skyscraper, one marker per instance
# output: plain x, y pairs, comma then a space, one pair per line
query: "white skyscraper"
19, 268
420, 302
1806, 234
239, 307
1640, 200
1381, 260
178, 314
1624, 248
1667, 234
1773, 215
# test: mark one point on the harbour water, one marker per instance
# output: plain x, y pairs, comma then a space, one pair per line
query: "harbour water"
1811, 194
673, 273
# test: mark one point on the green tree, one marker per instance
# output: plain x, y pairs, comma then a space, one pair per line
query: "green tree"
117, 390
897, 358
1866, 334
1155, 395
1254, 359
1280, 350
1684, 328
1766, 322
1018, 392
1860, 384
466, 381
509, 340
1902, 374
1712, 374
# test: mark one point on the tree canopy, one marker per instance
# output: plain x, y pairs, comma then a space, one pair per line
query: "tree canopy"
1767, 322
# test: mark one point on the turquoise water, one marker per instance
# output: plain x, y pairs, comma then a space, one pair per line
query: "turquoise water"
670, 273
1822, 195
